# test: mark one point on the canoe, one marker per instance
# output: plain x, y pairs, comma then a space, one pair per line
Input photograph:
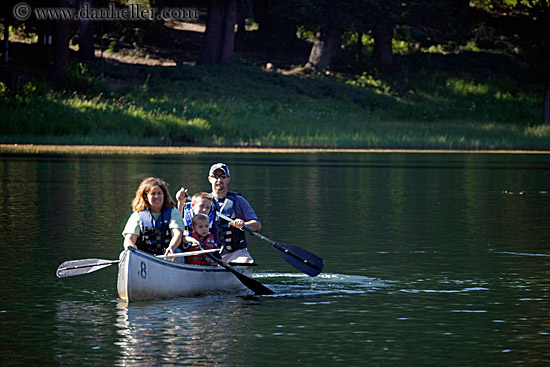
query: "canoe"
142, 276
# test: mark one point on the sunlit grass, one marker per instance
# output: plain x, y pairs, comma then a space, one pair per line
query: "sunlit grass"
466, 87
541, 131
242, 105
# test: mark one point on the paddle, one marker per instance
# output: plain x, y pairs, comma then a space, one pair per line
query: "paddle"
250, 283
301, 259
85, 266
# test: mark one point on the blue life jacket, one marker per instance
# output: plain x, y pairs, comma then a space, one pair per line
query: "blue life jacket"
231, 238
188, 214
155, 235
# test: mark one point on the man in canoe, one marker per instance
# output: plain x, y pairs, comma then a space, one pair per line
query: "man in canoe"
233, 205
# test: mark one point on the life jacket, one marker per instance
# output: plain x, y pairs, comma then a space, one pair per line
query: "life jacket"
231, 238
155, 235
206, 244
188, 214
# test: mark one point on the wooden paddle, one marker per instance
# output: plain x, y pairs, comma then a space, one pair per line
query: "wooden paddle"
301, 259
84, 266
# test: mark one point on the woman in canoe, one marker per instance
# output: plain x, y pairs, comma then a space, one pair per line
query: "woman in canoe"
155, 226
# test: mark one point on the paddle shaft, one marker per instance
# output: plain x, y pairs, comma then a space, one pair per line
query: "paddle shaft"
64, 270
301, 259
250, 283
190, 253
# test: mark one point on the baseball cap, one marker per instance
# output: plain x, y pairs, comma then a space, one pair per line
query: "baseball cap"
221, 166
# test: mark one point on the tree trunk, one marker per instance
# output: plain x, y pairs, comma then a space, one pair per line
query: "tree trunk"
359, 48
328, 40
6, 41
212, 35
241, 32
219, 38
325, 47
157, 22
546, 105
86, 35
228, 40
61, 44
383, 54
263, 17
463, 11
244, 10
275, 29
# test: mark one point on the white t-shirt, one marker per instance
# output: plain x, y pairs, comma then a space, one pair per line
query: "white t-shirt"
133, 224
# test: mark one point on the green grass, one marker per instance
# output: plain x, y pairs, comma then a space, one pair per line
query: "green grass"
439, 104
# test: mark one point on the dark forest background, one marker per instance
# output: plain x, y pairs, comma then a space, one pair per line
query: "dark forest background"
339, 38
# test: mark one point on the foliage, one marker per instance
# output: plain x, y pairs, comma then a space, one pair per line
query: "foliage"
423, 105
456, 85
524, 23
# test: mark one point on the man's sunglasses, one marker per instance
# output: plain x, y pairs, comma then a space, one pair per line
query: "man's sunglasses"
222, 176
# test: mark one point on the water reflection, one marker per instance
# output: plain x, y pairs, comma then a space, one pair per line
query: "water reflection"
83, 333
194, 330
430, 260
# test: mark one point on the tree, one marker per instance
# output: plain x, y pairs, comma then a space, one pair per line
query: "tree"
244, 8
383, 49
546, 105
219, 38
276, 21
61, 43
525, 24
159, 4
424, 21
535, 36
86, 34
463, 11
328, 41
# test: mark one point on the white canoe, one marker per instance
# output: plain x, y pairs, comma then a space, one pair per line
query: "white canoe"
142, 276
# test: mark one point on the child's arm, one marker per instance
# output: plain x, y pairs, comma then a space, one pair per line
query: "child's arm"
181, 196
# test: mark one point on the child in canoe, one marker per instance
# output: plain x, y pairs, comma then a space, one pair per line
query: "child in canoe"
201, 203
200, 225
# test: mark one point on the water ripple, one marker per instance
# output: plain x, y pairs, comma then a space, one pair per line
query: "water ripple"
464, 290
521, 253
291, 284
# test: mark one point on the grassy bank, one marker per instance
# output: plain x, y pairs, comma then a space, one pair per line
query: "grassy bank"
189, 150
431, 102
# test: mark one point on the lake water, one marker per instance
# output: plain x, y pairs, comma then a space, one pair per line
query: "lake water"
430, 259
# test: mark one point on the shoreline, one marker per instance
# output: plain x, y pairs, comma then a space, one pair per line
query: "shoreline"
182, 150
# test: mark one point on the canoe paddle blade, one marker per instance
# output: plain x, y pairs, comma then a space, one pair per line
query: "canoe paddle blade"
301, 259
249, 283
80, 267
252, 284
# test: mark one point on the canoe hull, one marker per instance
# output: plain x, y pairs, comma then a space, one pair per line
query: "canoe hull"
142, 276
